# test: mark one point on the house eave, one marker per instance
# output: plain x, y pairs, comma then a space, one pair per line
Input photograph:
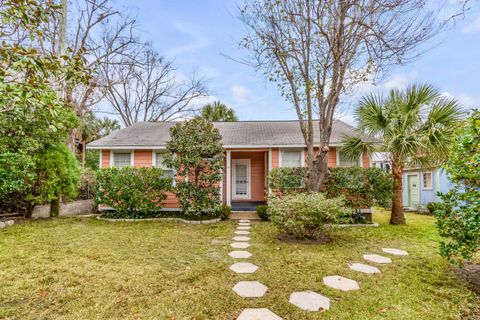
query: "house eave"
130, 147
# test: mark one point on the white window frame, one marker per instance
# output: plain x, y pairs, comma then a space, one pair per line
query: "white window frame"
338, 159
234, 175
423, 180
112, 157
154, 164
302, 156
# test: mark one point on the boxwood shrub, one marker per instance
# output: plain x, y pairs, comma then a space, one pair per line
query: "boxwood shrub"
132, 192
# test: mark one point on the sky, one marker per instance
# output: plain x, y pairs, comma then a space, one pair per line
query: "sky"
201, 35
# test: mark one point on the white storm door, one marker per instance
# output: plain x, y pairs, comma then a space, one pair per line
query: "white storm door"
241, 179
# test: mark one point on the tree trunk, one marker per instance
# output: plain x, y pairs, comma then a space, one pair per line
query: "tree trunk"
29, 212
317, 171
397, 217
83, 153
55, 207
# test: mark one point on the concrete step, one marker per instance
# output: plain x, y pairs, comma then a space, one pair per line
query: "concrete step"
250, 215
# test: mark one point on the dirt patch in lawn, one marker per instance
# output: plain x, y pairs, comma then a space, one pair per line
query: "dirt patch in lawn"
290, 238
471, 273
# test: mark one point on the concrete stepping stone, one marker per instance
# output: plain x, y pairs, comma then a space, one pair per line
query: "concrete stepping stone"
310, 301
365, 268
242, 232
250, 289
244, 224
240, 254
396, 252
9, 223
341, 283
241, 238
244, 221
258, 314
243, 267
244, 228
240, 245
2, 225
377, 258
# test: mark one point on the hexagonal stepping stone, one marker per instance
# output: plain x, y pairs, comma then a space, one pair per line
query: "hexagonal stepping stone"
396, 252
244, 228
242, 232
243, 267
365, 268
240, 254
341, 283
244, 224
310, 301
9, 223
241, 238
258, 314
244, 221
250, 289
377, 258
240, 245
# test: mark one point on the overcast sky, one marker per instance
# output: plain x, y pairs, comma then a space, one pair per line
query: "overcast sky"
198, 33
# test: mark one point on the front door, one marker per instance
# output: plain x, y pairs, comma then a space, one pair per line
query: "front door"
413, 191
241, 179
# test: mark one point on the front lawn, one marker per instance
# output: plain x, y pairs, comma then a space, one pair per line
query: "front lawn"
90, 269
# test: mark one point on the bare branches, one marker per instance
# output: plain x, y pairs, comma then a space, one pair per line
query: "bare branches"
142, 85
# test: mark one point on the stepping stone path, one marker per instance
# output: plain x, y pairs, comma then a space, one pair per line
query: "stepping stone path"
243, 267
341, 283
258, 314
396, 252
310, 301
377, 258
360, 267
250, 289
240, 254
242, 232
241, 238
244, 228
240, 245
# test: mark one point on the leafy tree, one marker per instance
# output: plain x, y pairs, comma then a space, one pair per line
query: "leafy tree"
415, 126
458, 219
218, 111
196, 153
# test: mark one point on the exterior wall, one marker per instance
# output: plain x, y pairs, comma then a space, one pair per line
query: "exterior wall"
142, 158
275, 158
105, 159
257, 173
440, 183
365, 160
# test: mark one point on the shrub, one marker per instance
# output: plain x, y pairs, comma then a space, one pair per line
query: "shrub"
434, 206
362, 188
262, 212
132, 190
287, 180
305, 215
223, 212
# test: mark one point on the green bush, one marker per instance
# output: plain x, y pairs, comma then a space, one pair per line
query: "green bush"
362, 188
434, 206
223, 212
305, 215
262, 212
133, 191
287, 180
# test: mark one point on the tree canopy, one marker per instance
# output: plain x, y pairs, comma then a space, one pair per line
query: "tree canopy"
218, 111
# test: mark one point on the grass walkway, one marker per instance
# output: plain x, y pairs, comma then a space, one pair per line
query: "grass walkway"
89, 269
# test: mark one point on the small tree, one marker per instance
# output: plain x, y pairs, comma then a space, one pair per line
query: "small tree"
196, 153
458, 220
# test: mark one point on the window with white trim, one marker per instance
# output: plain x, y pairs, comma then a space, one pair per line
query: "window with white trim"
122, 159
159, 158
344, 161
292, 159
427, 180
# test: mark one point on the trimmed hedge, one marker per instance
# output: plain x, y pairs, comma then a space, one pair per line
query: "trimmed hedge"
132, 192
287, 180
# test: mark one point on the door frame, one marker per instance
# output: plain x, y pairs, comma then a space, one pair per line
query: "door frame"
247, 162
409, 195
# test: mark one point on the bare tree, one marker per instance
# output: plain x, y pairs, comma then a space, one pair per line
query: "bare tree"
142, 85
315, 50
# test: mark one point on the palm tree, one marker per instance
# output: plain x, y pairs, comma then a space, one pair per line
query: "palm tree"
218, 111
414, 126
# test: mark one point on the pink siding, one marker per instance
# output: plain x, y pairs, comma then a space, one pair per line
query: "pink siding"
275, 158
257, 173
142, 158
105, 159
366, 160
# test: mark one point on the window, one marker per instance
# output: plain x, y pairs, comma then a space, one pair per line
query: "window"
343, 161
122, 159
292, 159
427, 180
168, 172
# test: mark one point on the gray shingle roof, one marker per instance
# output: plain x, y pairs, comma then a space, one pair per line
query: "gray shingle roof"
238, 134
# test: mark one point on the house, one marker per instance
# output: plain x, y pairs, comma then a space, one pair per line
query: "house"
252, 149
420, 186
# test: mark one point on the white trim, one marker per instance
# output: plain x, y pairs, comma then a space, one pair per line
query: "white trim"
302, 156
265, 146
408, 187
229, 179
132, 156
423, 180
100, 159
249, 176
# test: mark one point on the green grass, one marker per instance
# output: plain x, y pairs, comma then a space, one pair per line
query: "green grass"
90, 269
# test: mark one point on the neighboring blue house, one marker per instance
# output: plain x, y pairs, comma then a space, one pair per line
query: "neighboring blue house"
420, 186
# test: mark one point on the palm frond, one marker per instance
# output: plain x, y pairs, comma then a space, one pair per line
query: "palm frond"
354, 147
370, 115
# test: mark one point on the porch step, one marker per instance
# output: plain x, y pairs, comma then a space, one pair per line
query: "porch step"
249, 215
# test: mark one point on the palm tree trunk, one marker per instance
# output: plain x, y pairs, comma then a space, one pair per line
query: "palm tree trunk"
397, 217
